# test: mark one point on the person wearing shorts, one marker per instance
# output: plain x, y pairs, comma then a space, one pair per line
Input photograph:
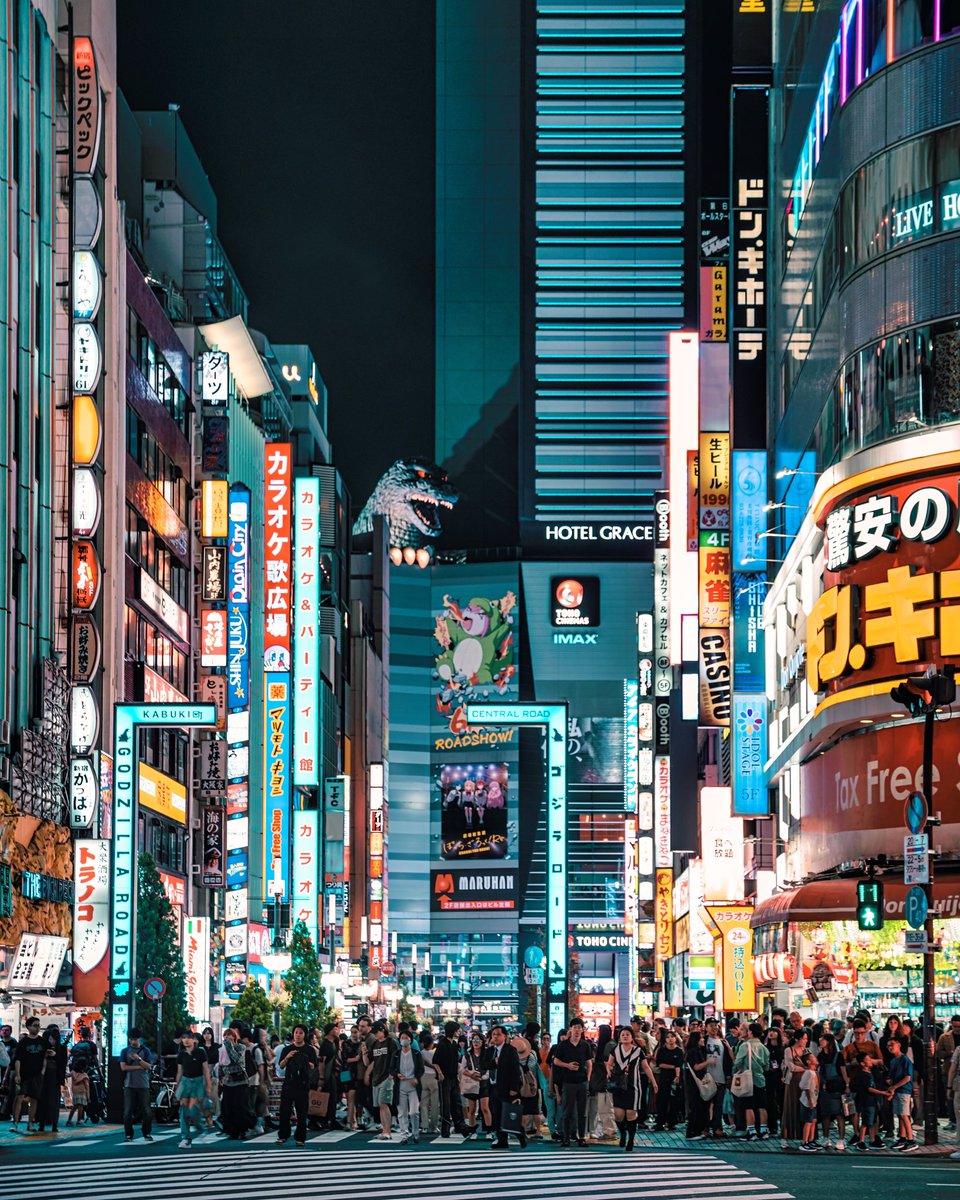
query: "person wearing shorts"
384, 1058
900, 1073
194, 1084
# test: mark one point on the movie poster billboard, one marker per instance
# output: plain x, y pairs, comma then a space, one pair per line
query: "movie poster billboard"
473, 810
475, 655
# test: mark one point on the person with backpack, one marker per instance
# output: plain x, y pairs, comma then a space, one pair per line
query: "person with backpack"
832, 1087
236, 1116
299, 1062
529, 1084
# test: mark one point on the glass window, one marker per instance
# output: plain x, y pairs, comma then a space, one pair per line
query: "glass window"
871, 200
948, 178
848, 215
910, 173
849, 408
946, 374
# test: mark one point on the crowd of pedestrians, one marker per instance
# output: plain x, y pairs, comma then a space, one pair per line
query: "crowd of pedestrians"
837, 1084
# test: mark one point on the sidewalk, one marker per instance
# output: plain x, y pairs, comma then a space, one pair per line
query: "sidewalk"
677, 1140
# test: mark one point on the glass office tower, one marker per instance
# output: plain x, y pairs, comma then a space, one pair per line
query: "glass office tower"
604, 257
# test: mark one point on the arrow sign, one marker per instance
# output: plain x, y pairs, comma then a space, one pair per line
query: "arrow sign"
915, 908
915, 812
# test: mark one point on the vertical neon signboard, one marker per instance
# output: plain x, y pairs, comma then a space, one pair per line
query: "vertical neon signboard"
554, 718
306, 850
306, 611
128, 719
278, 495
276, 782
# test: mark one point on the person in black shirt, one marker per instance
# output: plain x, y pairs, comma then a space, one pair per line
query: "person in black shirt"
299, 1064
669, 1060
28, 1071
572, 1064
193, 1084
446, 1063
329, 1055
6, 1071
54, 1077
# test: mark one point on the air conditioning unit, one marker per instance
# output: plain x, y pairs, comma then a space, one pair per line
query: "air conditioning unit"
195, 868
5, 770
4, 733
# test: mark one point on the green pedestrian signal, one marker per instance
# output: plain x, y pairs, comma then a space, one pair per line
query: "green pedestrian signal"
869, 904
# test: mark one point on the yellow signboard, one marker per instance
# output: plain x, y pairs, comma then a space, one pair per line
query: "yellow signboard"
663, 915
214, 508
162, 794
736, 989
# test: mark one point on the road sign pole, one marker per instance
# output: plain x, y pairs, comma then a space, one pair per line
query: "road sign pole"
930, 1128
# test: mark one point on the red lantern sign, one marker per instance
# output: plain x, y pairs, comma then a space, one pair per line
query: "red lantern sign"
86, 575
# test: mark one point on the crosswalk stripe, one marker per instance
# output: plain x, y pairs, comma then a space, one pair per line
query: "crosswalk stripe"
412, 1177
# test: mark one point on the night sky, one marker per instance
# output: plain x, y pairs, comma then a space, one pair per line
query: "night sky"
315, 122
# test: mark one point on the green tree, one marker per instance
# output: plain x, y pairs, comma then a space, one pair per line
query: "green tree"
307, 1003
254, 1006
158, 954
405, 1010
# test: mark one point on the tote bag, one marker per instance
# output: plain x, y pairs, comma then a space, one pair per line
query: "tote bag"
706, 1084
742, 1083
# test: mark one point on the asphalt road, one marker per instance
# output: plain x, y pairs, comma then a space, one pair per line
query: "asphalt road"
105, 1167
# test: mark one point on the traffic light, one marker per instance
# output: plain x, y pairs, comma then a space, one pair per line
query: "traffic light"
920, 694
869, 904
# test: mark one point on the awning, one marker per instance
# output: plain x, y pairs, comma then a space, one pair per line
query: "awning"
836, 900
246, 365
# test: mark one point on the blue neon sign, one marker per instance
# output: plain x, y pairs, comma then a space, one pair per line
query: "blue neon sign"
128, 719
554, 717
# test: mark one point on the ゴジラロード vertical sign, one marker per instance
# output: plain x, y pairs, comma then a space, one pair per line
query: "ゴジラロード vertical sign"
128, 719
554, 718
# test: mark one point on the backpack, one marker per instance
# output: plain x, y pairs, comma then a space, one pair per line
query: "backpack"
235, 1071
528, 1082
250, 1064
832, 1079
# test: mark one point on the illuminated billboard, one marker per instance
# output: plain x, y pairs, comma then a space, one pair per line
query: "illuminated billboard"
306, 618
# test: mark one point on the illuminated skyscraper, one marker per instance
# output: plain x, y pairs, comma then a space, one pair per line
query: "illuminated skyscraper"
604, 260
562, 257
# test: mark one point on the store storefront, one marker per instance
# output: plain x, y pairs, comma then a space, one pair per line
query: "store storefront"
809, 954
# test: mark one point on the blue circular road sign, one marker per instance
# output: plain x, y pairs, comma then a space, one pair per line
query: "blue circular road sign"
915, 907
915, 812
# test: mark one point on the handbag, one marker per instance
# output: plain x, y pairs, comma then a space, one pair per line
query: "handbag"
706, 1084
742, 1083
848, 1102
511, 1119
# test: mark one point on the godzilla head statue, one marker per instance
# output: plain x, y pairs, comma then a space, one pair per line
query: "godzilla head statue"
410, 497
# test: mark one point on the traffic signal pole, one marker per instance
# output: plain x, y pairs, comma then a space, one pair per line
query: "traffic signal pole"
931, 1131
925, 694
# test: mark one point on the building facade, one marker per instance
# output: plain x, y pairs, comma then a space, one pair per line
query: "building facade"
863, 411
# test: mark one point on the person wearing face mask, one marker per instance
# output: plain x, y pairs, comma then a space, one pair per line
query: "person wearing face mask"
409, 1073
